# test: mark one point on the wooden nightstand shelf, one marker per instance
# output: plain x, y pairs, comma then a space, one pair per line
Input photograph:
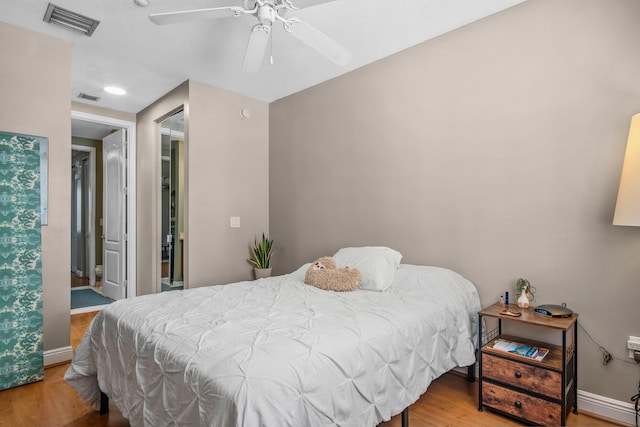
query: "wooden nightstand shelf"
538, 392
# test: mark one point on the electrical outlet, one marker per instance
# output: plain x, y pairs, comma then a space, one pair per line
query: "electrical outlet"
633, 345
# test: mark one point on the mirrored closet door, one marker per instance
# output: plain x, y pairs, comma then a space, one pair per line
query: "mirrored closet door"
172, 189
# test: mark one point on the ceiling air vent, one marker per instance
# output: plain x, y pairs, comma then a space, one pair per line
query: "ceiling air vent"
88, 97
70, 20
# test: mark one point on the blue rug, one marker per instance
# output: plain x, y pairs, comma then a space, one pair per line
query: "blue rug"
166, 287
87, 298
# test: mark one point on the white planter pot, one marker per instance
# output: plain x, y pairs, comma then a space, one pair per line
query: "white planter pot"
261, 273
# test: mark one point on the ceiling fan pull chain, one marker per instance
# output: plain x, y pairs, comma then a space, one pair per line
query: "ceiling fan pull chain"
271, 49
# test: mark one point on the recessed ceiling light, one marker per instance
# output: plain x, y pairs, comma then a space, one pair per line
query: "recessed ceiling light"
115, 90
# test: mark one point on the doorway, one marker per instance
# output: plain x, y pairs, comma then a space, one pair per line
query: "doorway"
88, 130
83, 207
85, 291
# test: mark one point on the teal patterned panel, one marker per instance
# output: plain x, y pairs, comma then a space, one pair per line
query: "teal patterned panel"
21, 356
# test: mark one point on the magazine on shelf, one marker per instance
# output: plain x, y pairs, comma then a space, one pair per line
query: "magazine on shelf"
520, 349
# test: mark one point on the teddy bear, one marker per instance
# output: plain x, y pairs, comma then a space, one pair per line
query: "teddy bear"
323, 274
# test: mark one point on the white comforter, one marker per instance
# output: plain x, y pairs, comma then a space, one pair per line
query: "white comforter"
277, 352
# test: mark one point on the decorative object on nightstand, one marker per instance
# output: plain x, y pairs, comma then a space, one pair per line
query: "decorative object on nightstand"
553, 310
628, 204
524, 293
261, 252
538, 383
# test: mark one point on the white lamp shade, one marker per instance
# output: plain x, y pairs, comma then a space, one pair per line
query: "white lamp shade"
628, 204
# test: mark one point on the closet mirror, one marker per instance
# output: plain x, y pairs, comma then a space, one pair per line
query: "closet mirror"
172, 189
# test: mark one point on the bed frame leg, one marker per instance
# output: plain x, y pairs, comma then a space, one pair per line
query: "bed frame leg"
104, 403
471, 373
405, 417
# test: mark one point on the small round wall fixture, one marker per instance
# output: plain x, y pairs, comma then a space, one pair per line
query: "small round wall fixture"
143, 3
115, 90
245, 113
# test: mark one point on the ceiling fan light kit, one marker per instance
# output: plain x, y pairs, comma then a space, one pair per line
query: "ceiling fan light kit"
267, 13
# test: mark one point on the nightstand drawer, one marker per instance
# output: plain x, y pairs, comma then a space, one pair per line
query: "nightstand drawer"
538, 411
537, 379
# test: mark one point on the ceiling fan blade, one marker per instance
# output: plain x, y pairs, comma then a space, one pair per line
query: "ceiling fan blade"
302, 4
319, 41
195, 15
286, 12
256, 48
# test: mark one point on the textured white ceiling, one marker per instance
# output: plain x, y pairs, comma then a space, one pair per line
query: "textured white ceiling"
148, 60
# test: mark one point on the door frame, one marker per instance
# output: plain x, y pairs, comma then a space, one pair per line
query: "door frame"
92, 210
131, 217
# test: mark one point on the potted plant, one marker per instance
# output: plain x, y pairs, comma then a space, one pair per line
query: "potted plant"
261, 260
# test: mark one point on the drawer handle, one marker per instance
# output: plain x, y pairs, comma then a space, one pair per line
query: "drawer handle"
517, 404
518, 374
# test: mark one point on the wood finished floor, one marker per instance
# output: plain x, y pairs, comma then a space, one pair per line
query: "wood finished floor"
449, 401
78, 281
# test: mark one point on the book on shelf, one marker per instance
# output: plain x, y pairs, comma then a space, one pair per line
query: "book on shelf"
520, 349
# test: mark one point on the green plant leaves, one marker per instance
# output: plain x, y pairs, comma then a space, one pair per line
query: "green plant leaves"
261, 252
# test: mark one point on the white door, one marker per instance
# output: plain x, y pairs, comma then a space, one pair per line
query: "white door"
114, 215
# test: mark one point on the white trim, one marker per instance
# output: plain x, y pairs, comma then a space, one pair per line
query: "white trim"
598, 405
58, 355
132, 192
606, 407
92, 208
130, 128
89, 309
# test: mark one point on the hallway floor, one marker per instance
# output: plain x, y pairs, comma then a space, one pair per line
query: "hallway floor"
83, 282
78, 281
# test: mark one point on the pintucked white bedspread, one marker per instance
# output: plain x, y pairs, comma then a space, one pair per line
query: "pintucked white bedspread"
277, 352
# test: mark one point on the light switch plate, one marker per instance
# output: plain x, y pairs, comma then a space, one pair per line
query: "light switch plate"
234, 222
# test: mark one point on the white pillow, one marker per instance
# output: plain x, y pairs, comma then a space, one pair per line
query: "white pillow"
377, 264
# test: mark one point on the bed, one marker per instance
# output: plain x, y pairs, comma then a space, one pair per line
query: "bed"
277, 352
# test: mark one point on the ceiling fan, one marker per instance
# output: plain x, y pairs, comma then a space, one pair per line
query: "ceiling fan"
267, 12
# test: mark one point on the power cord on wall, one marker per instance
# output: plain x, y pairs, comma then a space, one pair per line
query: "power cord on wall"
606, 356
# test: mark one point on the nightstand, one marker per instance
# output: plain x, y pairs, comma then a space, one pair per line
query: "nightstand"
538, 392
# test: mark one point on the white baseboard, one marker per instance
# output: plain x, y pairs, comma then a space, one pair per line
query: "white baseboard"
58, 355
616, 410
606, 407
89, 309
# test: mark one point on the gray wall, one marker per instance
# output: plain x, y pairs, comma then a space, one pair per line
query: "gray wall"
494, 150
226, 174
35, 82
